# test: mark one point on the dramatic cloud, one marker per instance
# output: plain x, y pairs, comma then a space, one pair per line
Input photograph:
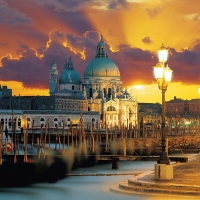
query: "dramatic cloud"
65, 5
11, 16
35, 32
114, 4
134, 64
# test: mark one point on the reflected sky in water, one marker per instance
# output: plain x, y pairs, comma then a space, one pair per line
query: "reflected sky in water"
86, 187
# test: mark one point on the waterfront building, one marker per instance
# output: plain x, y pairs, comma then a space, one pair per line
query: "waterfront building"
184, 108
38, 119
101, 87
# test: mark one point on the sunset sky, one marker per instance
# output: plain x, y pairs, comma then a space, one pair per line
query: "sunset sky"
35, 32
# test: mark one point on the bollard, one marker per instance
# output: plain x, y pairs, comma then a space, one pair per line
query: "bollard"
115, 163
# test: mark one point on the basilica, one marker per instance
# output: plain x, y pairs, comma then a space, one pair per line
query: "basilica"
101, 87
98, 97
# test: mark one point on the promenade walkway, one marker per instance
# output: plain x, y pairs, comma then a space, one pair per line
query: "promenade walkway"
186, 182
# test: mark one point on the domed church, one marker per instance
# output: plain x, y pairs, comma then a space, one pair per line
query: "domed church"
101, 87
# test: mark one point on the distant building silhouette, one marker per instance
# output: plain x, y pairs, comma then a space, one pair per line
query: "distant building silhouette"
5, 92
183, 108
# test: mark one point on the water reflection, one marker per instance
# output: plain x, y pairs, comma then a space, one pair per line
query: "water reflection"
86, 187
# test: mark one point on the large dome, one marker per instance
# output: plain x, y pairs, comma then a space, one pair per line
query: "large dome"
69, 75
102, 67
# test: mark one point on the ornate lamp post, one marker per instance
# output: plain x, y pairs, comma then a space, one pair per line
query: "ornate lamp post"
163, 75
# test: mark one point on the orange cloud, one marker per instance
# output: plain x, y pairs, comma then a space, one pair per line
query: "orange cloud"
40, 31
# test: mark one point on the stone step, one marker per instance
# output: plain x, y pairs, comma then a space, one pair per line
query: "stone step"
163, 185
145, 188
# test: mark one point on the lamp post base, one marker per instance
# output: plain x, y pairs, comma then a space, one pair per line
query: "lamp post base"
163, 172
163, 159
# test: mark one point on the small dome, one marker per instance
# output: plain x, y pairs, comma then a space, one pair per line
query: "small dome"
69, 75
53, 65
102, 67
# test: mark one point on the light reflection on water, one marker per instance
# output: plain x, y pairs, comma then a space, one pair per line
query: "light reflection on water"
86, 187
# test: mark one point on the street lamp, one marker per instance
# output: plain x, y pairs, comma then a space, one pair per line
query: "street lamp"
163, 75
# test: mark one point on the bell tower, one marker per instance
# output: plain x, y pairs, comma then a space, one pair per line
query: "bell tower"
53, 78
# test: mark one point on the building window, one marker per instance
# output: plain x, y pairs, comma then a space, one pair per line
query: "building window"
111, 108
68, 121
42, 122
72, 87
19, 123
109, 92
90, 94
28, 120
10, 123
55, 122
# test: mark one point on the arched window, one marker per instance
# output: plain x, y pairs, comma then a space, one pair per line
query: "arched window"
42, 119
111, 108
10, 123
55, 122
19, 123
68, 121
42, 122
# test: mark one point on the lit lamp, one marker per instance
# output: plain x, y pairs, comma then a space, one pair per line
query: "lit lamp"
163, 75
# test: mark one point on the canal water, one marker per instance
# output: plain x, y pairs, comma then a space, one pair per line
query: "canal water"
86, 187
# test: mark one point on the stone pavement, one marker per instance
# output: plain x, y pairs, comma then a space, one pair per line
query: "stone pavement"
186, 181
